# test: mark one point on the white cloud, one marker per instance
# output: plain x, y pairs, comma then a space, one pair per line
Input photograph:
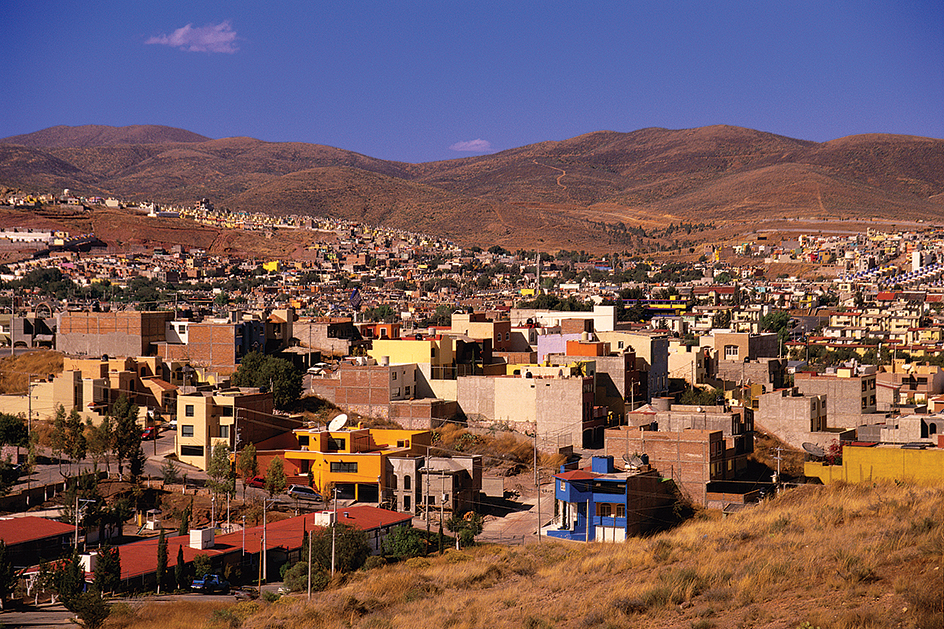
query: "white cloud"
210, 38
472, 146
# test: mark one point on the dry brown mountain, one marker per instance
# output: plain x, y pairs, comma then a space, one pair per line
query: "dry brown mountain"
100, 135
545, 195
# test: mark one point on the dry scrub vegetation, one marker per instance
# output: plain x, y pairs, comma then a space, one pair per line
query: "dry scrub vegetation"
835, 557
14, 370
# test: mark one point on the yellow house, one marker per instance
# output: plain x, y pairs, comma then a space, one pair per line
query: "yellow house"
353, 461
272, 265
868, 463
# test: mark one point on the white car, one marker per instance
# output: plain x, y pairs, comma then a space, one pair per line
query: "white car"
300, 492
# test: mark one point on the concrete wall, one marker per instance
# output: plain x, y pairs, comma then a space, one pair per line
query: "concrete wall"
794, 419
691, 458
864, 464
120, 333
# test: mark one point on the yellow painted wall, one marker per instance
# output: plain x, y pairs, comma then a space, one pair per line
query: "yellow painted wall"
863, 464
370, 463
405, 351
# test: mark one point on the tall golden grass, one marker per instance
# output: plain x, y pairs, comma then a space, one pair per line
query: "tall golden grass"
15, 370
840, 556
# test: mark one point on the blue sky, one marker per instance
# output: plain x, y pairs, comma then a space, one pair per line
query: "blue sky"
419, 81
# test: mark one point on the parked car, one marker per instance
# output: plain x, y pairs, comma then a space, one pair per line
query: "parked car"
257, 482
150, 433
211, 583
300, 492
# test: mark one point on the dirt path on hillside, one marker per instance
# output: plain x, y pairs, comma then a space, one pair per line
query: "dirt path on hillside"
559, 177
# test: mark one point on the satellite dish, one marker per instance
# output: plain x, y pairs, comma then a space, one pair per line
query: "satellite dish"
338, 422
814, 449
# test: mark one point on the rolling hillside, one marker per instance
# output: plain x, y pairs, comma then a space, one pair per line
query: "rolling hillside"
544, 195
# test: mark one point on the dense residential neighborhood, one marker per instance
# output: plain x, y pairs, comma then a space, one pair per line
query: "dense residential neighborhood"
367, 383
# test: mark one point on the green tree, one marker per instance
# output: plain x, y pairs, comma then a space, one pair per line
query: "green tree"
404, 542
127, 434
466, 528
90, 609
275, 481
296, 578
247, 464
701, 397
777, 321
201, 566
8, 576
67, 579
100, 440
351, 548
108, 569
219, 471
185, 522
58, 437
169, 472
180, 570
13, 431
161, 560
258, 370
76, 445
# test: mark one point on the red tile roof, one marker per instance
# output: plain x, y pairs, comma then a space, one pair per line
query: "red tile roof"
141, 557
31, 528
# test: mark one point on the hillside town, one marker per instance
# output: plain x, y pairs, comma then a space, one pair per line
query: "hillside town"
347, 371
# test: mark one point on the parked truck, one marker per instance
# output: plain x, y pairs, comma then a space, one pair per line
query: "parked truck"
211, 584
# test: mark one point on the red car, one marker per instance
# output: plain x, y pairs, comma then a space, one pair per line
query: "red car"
150, 433
256, 481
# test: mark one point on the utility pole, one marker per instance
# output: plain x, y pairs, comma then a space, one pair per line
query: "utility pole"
334, 529
309, 564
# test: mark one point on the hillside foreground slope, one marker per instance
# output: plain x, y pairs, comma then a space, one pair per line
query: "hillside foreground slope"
840, 556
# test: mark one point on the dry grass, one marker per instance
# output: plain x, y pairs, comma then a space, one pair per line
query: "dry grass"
499, 448
174, 614
14, 370
837, 556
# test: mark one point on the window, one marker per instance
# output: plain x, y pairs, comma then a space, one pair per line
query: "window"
621, 511
604, 509
394, 376
619, 345
340, 467
507, 336
303, 440
730, 352
407, 481
335, 444
186, 430
224, 431
188, 410
432, 352
191, 450
406, 390
406, 503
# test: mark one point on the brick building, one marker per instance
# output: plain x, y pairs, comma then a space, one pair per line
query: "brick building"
692, 458
118, 333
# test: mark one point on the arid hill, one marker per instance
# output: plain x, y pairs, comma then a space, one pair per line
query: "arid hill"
547, 195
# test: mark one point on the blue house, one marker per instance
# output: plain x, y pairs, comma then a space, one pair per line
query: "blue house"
606, 504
